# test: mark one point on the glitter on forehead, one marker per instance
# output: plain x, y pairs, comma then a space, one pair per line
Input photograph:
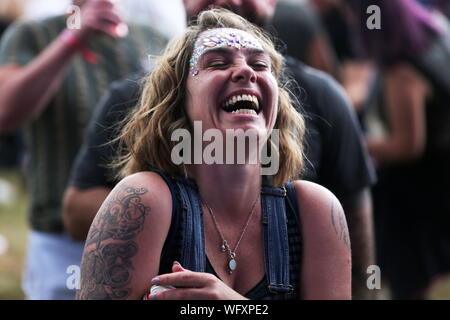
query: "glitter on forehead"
223, 37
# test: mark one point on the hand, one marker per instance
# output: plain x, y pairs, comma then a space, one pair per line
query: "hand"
100, 16
192, 286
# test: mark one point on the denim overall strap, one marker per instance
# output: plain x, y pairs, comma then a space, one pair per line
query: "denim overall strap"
169, 254
292, 199
276, 249
193, 255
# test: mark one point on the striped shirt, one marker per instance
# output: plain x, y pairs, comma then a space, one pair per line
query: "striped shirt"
53, 139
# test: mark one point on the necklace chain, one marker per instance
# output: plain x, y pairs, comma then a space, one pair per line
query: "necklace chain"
225, 246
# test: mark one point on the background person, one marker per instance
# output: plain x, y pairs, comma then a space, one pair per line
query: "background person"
412, 207
50, 90
298, 25
11, 144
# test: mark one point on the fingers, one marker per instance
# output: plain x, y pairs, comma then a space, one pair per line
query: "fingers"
103, 16
105, 21
176, 267
185, 294
184, 278
121, 30
189, 285
112, 17
100, 4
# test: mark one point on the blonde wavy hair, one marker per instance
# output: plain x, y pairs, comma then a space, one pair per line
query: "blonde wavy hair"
144, 142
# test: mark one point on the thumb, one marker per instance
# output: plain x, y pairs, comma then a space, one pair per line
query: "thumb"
176, 267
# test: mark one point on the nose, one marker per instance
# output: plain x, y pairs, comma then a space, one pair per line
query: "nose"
243, 73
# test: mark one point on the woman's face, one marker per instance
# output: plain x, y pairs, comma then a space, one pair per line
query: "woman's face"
231, 84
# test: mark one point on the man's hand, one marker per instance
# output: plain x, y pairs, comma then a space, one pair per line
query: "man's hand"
100, 16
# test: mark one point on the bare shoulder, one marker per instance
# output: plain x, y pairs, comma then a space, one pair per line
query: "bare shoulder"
312, 194
326, 267
147, 179
139, 202
126, 238
320, 210
146, 188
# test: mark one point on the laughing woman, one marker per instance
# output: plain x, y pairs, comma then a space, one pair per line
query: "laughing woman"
202, 230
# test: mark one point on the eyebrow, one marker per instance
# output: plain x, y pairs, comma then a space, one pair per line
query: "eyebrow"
228, 51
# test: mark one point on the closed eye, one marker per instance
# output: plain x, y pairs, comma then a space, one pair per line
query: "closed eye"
259, 62
217, 64
260, 66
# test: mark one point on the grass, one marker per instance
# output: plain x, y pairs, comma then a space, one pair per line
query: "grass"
14, 227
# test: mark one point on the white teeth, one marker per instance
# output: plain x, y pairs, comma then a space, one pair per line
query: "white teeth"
255, 100
244, 97
244, 111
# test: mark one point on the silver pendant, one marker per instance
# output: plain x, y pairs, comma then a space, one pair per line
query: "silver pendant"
224, 246
232, 265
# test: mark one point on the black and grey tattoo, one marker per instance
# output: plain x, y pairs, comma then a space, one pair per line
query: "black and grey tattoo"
339, 224
106, 263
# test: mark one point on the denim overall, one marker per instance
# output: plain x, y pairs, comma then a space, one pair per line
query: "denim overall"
186, 202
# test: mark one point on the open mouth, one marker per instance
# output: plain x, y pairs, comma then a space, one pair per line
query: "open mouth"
242, 104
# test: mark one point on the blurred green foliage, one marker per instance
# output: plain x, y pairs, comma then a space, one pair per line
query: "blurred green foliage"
13, 228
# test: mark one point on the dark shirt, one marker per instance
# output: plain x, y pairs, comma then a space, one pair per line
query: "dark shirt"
335, 154
173, 246
11, 144
3, 26
339, 33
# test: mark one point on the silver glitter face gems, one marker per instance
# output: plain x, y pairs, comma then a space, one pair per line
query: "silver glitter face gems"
222, 37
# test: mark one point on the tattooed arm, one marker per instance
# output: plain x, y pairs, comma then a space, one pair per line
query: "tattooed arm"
326, 262
124, 244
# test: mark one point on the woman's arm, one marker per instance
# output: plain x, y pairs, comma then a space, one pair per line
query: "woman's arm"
326, 267
124, 244
406, 92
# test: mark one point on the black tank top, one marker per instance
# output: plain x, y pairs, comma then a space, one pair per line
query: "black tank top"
173, 244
